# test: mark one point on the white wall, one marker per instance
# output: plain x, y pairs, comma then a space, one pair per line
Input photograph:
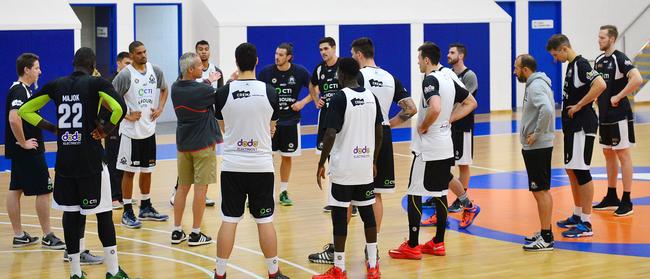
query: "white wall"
87, 17
521, 28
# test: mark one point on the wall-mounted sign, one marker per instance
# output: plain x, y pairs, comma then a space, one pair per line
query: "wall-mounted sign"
102, 32
542, 24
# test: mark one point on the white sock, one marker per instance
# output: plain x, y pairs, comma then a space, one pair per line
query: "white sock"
284, 186
272, 264
585, 217
371, 248
75, 265
110, 259
21, 234
127, 201
178, 228
82, 245
339, 260
145, 196
221, 266
577, 211
196, 230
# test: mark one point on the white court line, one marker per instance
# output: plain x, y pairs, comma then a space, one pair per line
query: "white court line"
208, 272
305, 269
253, 275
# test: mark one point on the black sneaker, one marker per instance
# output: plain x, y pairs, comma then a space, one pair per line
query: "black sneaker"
455, 206
178, 237
429, 203
355, 211
278, 275
324, 257
25, 240
624, 209
607, 203
50, 241
327, 209
197, 239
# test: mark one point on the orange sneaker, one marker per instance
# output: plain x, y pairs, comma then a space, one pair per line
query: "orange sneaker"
373, 272
332, 273
404, 251
469, 215
430, 222
431, 248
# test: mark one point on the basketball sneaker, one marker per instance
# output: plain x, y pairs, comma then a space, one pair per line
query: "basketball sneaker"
209, 202
430, 222
129, 220
198, 239
624, 209
217, 276
404, 251
284, 199
24, 240
355, 211
372, 272
324, 257
327, 209
539, 245
120, 275
332, 273
533, 237
429, 203
85, 258
570, 222
469, 215
608, 203
278, 275
149, 213
582, 229
178, 237
431, 248
83, 276
117, 205
50, 241
456, 206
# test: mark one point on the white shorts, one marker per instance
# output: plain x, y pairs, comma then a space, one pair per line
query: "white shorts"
463, 148
430, 178
105, 198
578, 149
137, 155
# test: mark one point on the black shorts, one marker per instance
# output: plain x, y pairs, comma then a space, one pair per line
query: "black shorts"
617, 135
538, 167
463, 146
88, 195
357, 195
137, 155
321, 130
385, 179
430, 178
287, 140
578, 150
237, 186
29, 174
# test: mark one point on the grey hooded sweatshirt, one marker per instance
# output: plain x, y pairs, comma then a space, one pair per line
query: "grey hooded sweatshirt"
538, 115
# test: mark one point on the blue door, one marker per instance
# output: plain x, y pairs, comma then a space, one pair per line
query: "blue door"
509, 7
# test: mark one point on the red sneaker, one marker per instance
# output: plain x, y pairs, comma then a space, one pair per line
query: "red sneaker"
404, 251
217, 276
431, 248
430, 222
469, 215
332, 273
373, 273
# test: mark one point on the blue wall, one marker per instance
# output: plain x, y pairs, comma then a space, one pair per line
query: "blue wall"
392, 49
537, 39
106, 48
305, 52
56, 61
476, 37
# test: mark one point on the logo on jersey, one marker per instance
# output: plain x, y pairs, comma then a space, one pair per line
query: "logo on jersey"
274, 80
370, 194
136, 81
16, 103
240, 94
89, 202
628, 62
361, 152
71, 139
389, 182
123, 161
429, 89
330, 86
279, 91
322, 76
592, 74
244, 145
152, 80
533, 185
145, 92
292, 80
357, 102
376, 83
265, 212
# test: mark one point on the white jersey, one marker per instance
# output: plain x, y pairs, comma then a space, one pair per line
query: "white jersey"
206, 74
384, 86
142, 96
247, 108
437, 144
352, 155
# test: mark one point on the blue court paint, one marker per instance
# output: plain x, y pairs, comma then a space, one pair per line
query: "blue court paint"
305, 53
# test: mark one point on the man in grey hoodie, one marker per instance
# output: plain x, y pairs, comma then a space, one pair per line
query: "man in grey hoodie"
536, 137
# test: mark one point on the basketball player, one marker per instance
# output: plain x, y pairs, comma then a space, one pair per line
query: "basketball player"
582, 85
139, 83
82, 180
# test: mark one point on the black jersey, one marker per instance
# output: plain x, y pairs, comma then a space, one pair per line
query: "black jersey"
327, 80
466, 124
77, 99
287, 85
614, 70
577, 82
16, 97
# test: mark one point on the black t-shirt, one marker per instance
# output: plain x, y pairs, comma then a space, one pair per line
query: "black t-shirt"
327, 80
16, 97
287, 85
577, 82
466, 123
77, 99
194, 107
338, 105
614, 70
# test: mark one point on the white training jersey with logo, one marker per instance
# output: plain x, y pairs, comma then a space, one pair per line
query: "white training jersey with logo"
206, 74
142, 96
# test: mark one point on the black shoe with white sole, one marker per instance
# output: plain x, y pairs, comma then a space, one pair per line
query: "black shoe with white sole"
24, 240
197, 239
50, 241
178, 237
624, 209
608, 203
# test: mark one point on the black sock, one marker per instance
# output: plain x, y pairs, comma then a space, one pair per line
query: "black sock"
145, 203
611, 193
414, 209
547, 235
128, 207
626, 198
441, 214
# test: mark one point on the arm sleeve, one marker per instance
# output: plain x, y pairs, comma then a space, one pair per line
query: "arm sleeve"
336, 112
115, 102
122, 82
28, 110
400, 91
470, 81
624, 63
379, 119
585, 72
461, 93
221, 97
273, 100
430, 88
162, 83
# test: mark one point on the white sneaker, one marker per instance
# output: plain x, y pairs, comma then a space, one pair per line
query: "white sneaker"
539, 245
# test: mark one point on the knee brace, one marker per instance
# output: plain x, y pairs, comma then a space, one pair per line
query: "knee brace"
583, 176
340, 221
106, 229
367, 216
